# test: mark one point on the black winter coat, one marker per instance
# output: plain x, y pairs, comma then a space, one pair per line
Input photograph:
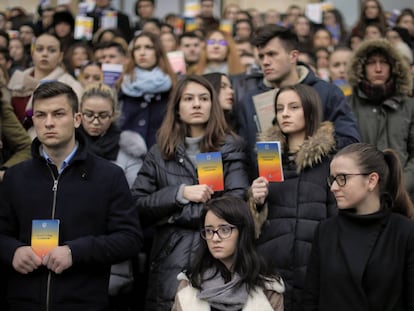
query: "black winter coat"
295, 208
177, 226
98, 221
362, 262
143, 115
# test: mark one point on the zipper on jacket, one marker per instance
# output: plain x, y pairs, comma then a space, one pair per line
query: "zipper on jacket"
49, 276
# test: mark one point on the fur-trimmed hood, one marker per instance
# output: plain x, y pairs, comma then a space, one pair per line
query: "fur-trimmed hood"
312, 150
399, 67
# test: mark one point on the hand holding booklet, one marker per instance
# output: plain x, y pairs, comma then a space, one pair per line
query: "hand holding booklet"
210, 170
269, 160
45, 235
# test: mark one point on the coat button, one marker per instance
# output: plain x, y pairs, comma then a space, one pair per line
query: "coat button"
144, 105
141, 122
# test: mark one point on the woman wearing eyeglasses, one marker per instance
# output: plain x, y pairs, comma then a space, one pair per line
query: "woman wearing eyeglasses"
99, 113
168, 192
145, 87
219, 55
363, 259
292, 209
227, 273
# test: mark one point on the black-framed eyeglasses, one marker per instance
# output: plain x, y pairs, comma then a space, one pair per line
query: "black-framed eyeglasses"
101, 116
223, 232
341, 178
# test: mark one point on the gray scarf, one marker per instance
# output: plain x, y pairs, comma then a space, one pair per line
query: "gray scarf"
220, 295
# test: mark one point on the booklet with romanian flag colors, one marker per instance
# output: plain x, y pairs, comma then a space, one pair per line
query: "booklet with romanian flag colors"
45, 235
210, 170
269, 160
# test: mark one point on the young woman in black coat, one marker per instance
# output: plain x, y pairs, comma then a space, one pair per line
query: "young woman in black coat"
363, 259
292, 209
168, 192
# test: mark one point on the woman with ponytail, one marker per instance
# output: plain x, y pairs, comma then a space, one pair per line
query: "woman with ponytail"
363, 259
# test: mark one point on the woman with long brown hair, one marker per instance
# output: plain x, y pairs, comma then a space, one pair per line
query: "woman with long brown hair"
219, 55
168, 192
145, 87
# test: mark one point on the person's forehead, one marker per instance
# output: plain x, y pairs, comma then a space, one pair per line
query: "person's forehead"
51, 103
25, 27
188, 40
111, 50
47, 40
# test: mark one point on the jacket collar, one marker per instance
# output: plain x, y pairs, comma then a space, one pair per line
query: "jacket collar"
303, 73
80, 154
312, 150
393, 102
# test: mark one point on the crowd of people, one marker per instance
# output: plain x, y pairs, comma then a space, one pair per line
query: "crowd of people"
114, 160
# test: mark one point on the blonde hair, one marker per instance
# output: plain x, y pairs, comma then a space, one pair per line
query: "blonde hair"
103, 91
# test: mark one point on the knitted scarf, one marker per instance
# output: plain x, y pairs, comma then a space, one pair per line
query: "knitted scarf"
377, 92
222, 296
146, 82
105, 146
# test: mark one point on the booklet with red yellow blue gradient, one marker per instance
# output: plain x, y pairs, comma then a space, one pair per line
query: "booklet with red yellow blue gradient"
45, 235
269, 160
210, 170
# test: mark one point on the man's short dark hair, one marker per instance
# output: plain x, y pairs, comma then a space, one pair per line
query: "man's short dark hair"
55, 88
6, 53
6, 36
113, 44
152, 1
188, 34
264, 34
245, 20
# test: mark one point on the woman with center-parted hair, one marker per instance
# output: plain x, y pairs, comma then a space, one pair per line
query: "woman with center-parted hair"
47, 57
222, 85
227, 273
292, 209
219, 55
167, 190
145, 87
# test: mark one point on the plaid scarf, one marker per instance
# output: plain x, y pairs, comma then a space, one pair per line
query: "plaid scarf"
377, 92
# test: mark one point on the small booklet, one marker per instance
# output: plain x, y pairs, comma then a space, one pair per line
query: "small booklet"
83, 28
109, 20
13, 34
111, 73
191, 8
179, 26
210, 170
269, 160
226, 26
45, 235
264, 105
177, 62
190, 24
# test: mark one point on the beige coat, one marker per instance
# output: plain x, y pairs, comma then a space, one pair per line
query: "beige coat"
268, 299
